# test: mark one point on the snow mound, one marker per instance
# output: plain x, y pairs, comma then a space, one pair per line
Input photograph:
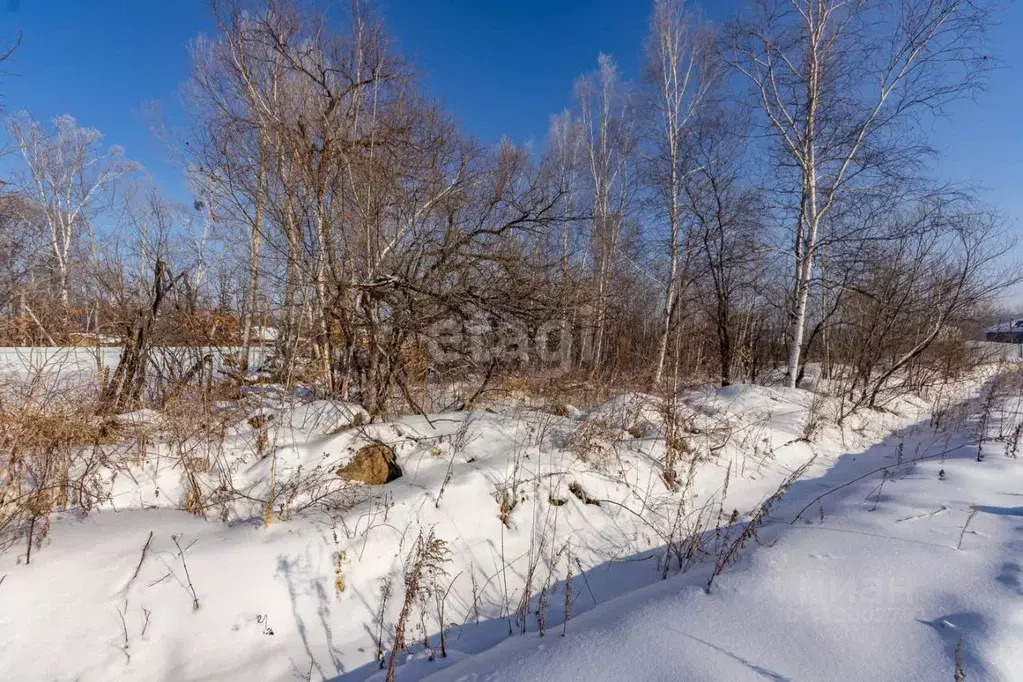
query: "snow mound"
640, 414
895, 577
288, 563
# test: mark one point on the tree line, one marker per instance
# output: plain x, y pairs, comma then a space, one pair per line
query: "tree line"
757, 200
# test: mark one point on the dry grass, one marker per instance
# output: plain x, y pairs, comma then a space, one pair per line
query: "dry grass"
556, 394
596, 444
52, 448
339, 576
424, 565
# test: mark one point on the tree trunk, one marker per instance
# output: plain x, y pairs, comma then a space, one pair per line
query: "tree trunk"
254, 247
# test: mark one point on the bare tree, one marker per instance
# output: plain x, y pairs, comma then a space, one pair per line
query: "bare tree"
69, 177
729, 216
608, 127
564, 149
681, 70
138, 292
944, 265
564, 160
841, 85
237, 89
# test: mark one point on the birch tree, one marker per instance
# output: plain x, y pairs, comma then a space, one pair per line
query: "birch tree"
680, 72
236, 88
564, 152
843, 85
564, 143
69, 176
609, 139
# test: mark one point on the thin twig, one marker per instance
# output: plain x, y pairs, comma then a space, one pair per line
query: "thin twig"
145, 625
160, 580
142, 558
960, 672
973, 512
181, 553
124, 628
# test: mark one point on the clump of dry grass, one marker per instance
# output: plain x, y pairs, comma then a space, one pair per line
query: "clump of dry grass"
386, 586
339, 576
677, 446
596, 444
568, 594
576, 489
555, 394
195, 428
815, 418
507, 501
424, 565
731, 550
38, 429
52, 449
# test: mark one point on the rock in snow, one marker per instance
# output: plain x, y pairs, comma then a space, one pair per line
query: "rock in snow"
373, 464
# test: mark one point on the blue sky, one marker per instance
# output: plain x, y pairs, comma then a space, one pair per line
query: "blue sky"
503, 66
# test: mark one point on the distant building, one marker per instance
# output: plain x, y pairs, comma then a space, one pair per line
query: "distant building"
266, 336
1005, 332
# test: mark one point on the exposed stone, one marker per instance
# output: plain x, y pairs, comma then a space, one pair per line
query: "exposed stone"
373, 464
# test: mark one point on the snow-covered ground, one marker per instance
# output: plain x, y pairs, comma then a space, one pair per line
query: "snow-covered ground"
877, 582
537, 512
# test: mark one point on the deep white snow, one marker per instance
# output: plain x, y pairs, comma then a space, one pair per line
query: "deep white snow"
867, 585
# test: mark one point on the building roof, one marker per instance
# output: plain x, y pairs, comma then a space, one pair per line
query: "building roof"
1007, 327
